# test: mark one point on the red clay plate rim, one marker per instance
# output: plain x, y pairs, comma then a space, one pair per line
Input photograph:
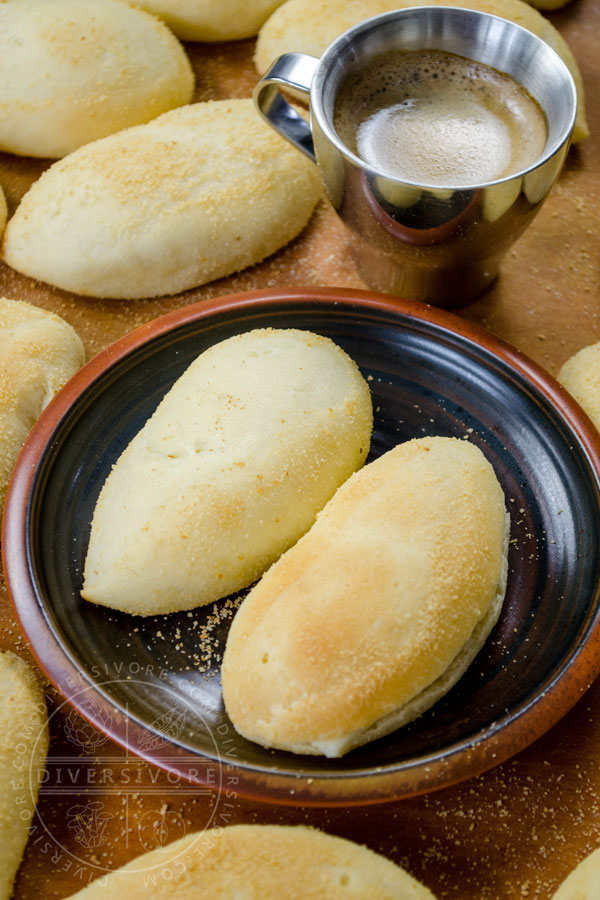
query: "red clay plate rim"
458, 762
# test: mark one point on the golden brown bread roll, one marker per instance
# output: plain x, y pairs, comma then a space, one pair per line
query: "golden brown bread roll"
23, 749
259, 862
378, 610
39, 352
197, 194
243, 451
309, 26
73, 71
581, 377
205, 20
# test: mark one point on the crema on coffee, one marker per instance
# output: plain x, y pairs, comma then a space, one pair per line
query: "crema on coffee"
431, 117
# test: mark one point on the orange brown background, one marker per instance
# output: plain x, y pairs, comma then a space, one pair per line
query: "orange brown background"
512, 833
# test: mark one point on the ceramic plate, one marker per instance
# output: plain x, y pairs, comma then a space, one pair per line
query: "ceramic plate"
153, 684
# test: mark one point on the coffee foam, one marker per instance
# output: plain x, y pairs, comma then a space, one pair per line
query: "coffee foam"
435, 118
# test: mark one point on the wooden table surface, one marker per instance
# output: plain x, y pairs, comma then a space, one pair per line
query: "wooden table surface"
514, 832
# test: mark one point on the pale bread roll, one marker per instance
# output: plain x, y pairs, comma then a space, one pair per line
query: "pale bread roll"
3, 211
205, 20
23, 749
243, 451
581, 377
583, 883
73, 71
309, 26
195, 195
259, 862
377, 612
39, 352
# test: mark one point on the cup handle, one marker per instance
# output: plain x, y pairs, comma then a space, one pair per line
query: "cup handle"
293, 71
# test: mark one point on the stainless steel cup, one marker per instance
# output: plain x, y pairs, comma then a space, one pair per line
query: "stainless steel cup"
438, 244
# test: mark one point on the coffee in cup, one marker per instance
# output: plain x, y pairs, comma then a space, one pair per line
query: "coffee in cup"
482, 156
435, 118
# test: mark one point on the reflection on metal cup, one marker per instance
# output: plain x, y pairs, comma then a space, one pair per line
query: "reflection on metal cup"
437, 243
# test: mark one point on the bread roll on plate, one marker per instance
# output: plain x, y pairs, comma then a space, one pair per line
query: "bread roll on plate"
205, 20
197, 194
39, 352
23, 749
232, 468
73, 71
259, 862
309, 26
376, 612
581, 377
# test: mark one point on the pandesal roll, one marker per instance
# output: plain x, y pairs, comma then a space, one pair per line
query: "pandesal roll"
230, 470
580, 375
205, 20
583, 883
548, 5
23, 749
73, 71
39, 352
259, 862
378, 610
3, 211
196, 194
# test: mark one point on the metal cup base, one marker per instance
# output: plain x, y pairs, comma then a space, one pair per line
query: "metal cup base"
447, 287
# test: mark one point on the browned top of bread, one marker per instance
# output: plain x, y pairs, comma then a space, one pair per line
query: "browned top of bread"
374, 604
260, 862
